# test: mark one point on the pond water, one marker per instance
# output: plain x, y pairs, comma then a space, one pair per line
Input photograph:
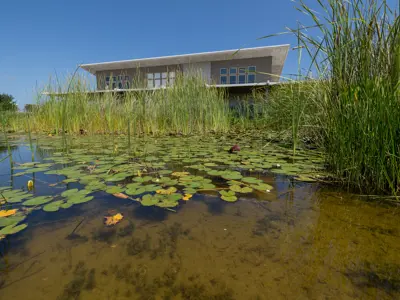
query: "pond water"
256, 226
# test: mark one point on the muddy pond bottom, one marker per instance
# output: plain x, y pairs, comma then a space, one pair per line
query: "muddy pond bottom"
304, 245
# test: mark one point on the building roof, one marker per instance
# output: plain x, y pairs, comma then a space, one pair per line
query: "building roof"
278, 53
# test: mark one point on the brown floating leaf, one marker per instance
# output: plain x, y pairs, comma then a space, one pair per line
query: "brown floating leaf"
112, 220
121, 195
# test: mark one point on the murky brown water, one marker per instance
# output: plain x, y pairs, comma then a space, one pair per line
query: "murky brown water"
304, 245
301, 242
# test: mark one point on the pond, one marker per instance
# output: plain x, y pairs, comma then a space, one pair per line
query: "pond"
186, 219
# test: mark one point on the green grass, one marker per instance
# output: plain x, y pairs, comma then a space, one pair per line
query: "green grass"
352, 110
186, 108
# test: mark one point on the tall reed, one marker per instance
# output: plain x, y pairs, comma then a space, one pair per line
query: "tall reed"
354, 47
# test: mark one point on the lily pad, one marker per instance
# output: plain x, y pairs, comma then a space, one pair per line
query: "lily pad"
238, 189
149, 200
228, 196
53, 206
13, 220
251, 180
68, 193
12, 229
142, 179
79, 199
38, 201
114, 190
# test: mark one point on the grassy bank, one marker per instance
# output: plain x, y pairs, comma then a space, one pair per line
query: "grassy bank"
353, 109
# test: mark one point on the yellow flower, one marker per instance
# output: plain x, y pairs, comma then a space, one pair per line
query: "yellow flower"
186, 197
180, 174
30, 184
168, 191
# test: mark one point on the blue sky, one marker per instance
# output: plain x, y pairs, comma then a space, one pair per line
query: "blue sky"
44, 37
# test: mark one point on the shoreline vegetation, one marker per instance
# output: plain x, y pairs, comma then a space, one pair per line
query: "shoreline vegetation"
350, 110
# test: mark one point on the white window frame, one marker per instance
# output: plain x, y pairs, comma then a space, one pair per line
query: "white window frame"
223, 75
251, 73
235, 74
241, 74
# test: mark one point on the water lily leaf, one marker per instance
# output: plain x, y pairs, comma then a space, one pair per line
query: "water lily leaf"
12, 229
231, 175
134, 185
38, 201
190, 190
11, 220
117, 177
96, 186
168, 191
53, 206
229, 198
262, 187
238, 189
68, 193
149, 200
138, 191
79, 199
251, 180
114, 189
304, 178
66, 205
227, 193
142, 179
180, 174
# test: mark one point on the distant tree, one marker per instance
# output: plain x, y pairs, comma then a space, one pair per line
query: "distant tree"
29, 107
7, 103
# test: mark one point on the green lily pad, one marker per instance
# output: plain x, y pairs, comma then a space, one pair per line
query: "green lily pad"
142, 179
251, 180
231, 175
138, 191
53, 206
66, 205
262, 187
79, 199
38, 201
238, 189
149, 200
68, 193
114, 190
13, 220
12, 229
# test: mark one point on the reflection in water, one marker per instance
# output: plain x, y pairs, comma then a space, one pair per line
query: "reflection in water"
302, 242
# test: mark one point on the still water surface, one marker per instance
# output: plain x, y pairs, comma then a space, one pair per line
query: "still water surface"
300, 241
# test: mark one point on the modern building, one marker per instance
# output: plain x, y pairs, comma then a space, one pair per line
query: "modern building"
241, 68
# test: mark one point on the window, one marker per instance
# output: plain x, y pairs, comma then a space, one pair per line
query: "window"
171, 78
127, 82
242, 75
223, 75
150, 81
107, 82
164, 79
251, 76
120, 85
157, 80
232, 75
